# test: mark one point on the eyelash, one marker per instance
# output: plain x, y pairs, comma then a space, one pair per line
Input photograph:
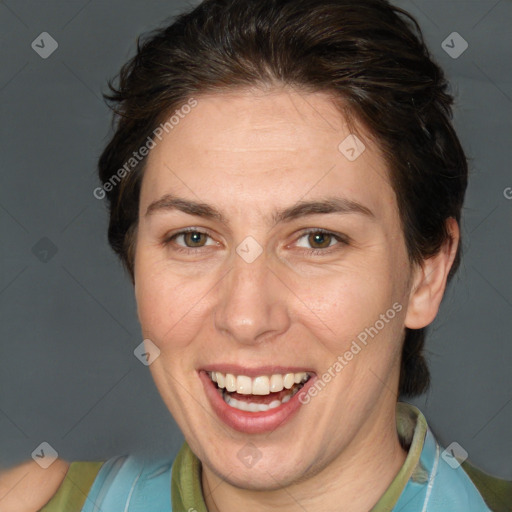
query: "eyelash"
343, 240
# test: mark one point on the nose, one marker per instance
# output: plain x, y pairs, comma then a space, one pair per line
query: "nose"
252, 305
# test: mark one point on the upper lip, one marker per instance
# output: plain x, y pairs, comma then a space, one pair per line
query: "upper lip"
256, 371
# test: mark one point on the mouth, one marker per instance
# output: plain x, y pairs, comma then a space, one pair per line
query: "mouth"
258, 403
258, 394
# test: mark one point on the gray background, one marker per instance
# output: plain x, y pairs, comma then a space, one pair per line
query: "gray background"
68, 375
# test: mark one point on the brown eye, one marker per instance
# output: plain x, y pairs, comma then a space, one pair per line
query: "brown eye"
188, 240
322, 242
322, 239
193, 238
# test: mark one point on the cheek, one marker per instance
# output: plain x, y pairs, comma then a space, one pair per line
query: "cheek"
365, 317
161, 300
365, 305
356, 295
171, 307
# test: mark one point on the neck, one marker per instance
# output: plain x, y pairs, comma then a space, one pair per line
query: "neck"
354, 481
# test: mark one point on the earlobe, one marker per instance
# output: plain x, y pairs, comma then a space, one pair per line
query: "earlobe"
429, 281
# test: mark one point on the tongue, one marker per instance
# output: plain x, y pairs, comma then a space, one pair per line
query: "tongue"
262, 399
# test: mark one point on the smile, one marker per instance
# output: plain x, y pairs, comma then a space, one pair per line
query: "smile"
257, 400
258, 394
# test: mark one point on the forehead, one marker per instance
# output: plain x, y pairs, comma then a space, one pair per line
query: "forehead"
252, 150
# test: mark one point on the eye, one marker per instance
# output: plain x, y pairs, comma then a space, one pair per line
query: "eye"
192, 237
321, 241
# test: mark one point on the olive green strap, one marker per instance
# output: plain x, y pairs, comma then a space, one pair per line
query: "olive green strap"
412, 428
496, 492
186, 487
72, 493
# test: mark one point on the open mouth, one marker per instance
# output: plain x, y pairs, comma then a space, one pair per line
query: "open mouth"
258, 394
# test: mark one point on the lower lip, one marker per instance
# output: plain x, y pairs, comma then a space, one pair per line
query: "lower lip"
252, 422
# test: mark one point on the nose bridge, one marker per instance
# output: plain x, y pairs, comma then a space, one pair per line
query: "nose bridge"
251, 306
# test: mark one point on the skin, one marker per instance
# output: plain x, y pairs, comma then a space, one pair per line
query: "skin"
28, 487
247, 153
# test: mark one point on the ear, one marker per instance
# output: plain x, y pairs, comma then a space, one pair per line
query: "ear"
429, 281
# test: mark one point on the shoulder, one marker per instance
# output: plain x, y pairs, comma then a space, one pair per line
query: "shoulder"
497, 492
449, 486
135, 482
439, 482
27, 487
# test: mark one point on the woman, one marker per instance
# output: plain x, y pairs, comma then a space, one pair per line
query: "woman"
285, 189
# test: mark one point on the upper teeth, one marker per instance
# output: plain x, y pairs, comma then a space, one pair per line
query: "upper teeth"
262, 385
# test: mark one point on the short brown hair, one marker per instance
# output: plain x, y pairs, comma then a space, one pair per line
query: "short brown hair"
370, 54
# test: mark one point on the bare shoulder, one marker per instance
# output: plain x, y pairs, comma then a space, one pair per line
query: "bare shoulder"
27, 487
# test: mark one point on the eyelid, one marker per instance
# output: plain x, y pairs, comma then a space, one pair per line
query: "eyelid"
341, 239
172, 236
339, 236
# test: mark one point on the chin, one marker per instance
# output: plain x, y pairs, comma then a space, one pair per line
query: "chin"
263, 476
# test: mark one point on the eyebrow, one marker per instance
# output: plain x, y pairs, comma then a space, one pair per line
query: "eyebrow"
331, 204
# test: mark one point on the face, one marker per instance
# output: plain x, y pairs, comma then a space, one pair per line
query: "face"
267, 290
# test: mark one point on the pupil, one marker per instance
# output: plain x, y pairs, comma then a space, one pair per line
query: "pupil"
319, 238
195, 235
